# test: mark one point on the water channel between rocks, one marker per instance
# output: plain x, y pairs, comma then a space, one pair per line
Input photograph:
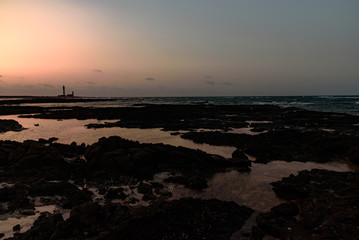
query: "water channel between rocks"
251, 189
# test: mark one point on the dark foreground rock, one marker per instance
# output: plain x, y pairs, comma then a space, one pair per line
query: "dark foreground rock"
180, 219
58, 173
116, 156
10, 125
328, 207
110, 159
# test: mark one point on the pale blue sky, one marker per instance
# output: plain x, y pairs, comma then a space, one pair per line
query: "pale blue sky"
181, 48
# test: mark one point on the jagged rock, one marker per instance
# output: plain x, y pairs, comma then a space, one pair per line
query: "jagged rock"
115, 193
280, 220
184, 218
35, 155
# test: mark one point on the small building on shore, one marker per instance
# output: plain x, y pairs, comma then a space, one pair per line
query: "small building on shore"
72, 94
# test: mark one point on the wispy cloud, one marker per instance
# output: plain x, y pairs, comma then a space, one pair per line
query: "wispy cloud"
209, 82
90, 83
226, 83
97, 70
150, 79
0, 75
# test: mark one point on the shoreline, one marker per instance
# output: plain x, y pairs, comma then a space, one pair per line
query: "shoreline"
105, 168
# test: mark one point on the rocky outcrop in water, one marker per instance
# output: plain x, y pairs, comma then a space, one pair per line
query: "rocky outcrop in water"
10, 125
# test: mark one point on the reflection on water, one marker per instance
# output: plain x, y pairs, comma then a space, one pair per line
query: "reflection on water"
252, 189
73, 130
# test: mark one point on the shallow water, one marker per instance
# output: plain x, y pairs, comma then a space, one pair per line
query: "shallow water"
252, 189
73, 130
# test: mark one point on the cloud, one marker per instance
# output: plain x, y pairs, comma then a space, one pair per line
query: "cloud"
97, 70
210, 82
150, 79
0, 75
90, 83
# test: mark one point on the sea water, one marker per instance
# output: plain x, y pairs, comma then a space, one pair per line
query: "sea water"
340, 104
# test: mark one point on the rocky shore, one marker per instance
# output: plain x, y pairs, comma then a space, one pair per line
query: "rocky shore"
109, 188
44, 172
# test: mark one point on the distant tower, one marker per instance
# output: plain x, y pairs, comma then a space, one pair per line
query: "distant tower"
63, 90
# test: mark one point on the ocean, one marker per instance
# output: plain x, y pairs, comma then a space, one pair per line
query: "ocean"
340, 104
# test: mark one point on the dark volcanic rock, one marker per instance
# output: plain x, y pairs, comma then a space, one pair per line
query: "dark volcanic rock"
17, 227
146, 190
279, 220
52, 189
179, 219
115, 193
32, 154
286, 145
17, 199
71, 194
10, 125
116, 156
328, 206
239, 154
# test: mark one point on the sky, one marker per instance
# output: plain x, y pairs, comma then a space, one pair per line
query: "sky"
122, 48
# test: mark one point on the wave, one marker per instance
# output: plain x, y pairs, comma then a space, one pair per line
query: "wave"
339, 97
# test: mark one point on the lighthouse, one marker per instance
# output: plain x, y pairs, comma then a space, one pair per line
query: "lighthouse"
64, 93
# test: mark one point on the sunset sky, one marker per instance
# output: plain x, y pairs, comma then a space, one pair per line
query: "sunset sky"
179, 48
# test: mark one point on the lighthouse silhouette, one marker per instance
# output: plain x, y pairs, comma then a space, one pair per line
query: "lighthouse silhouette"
64, 93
